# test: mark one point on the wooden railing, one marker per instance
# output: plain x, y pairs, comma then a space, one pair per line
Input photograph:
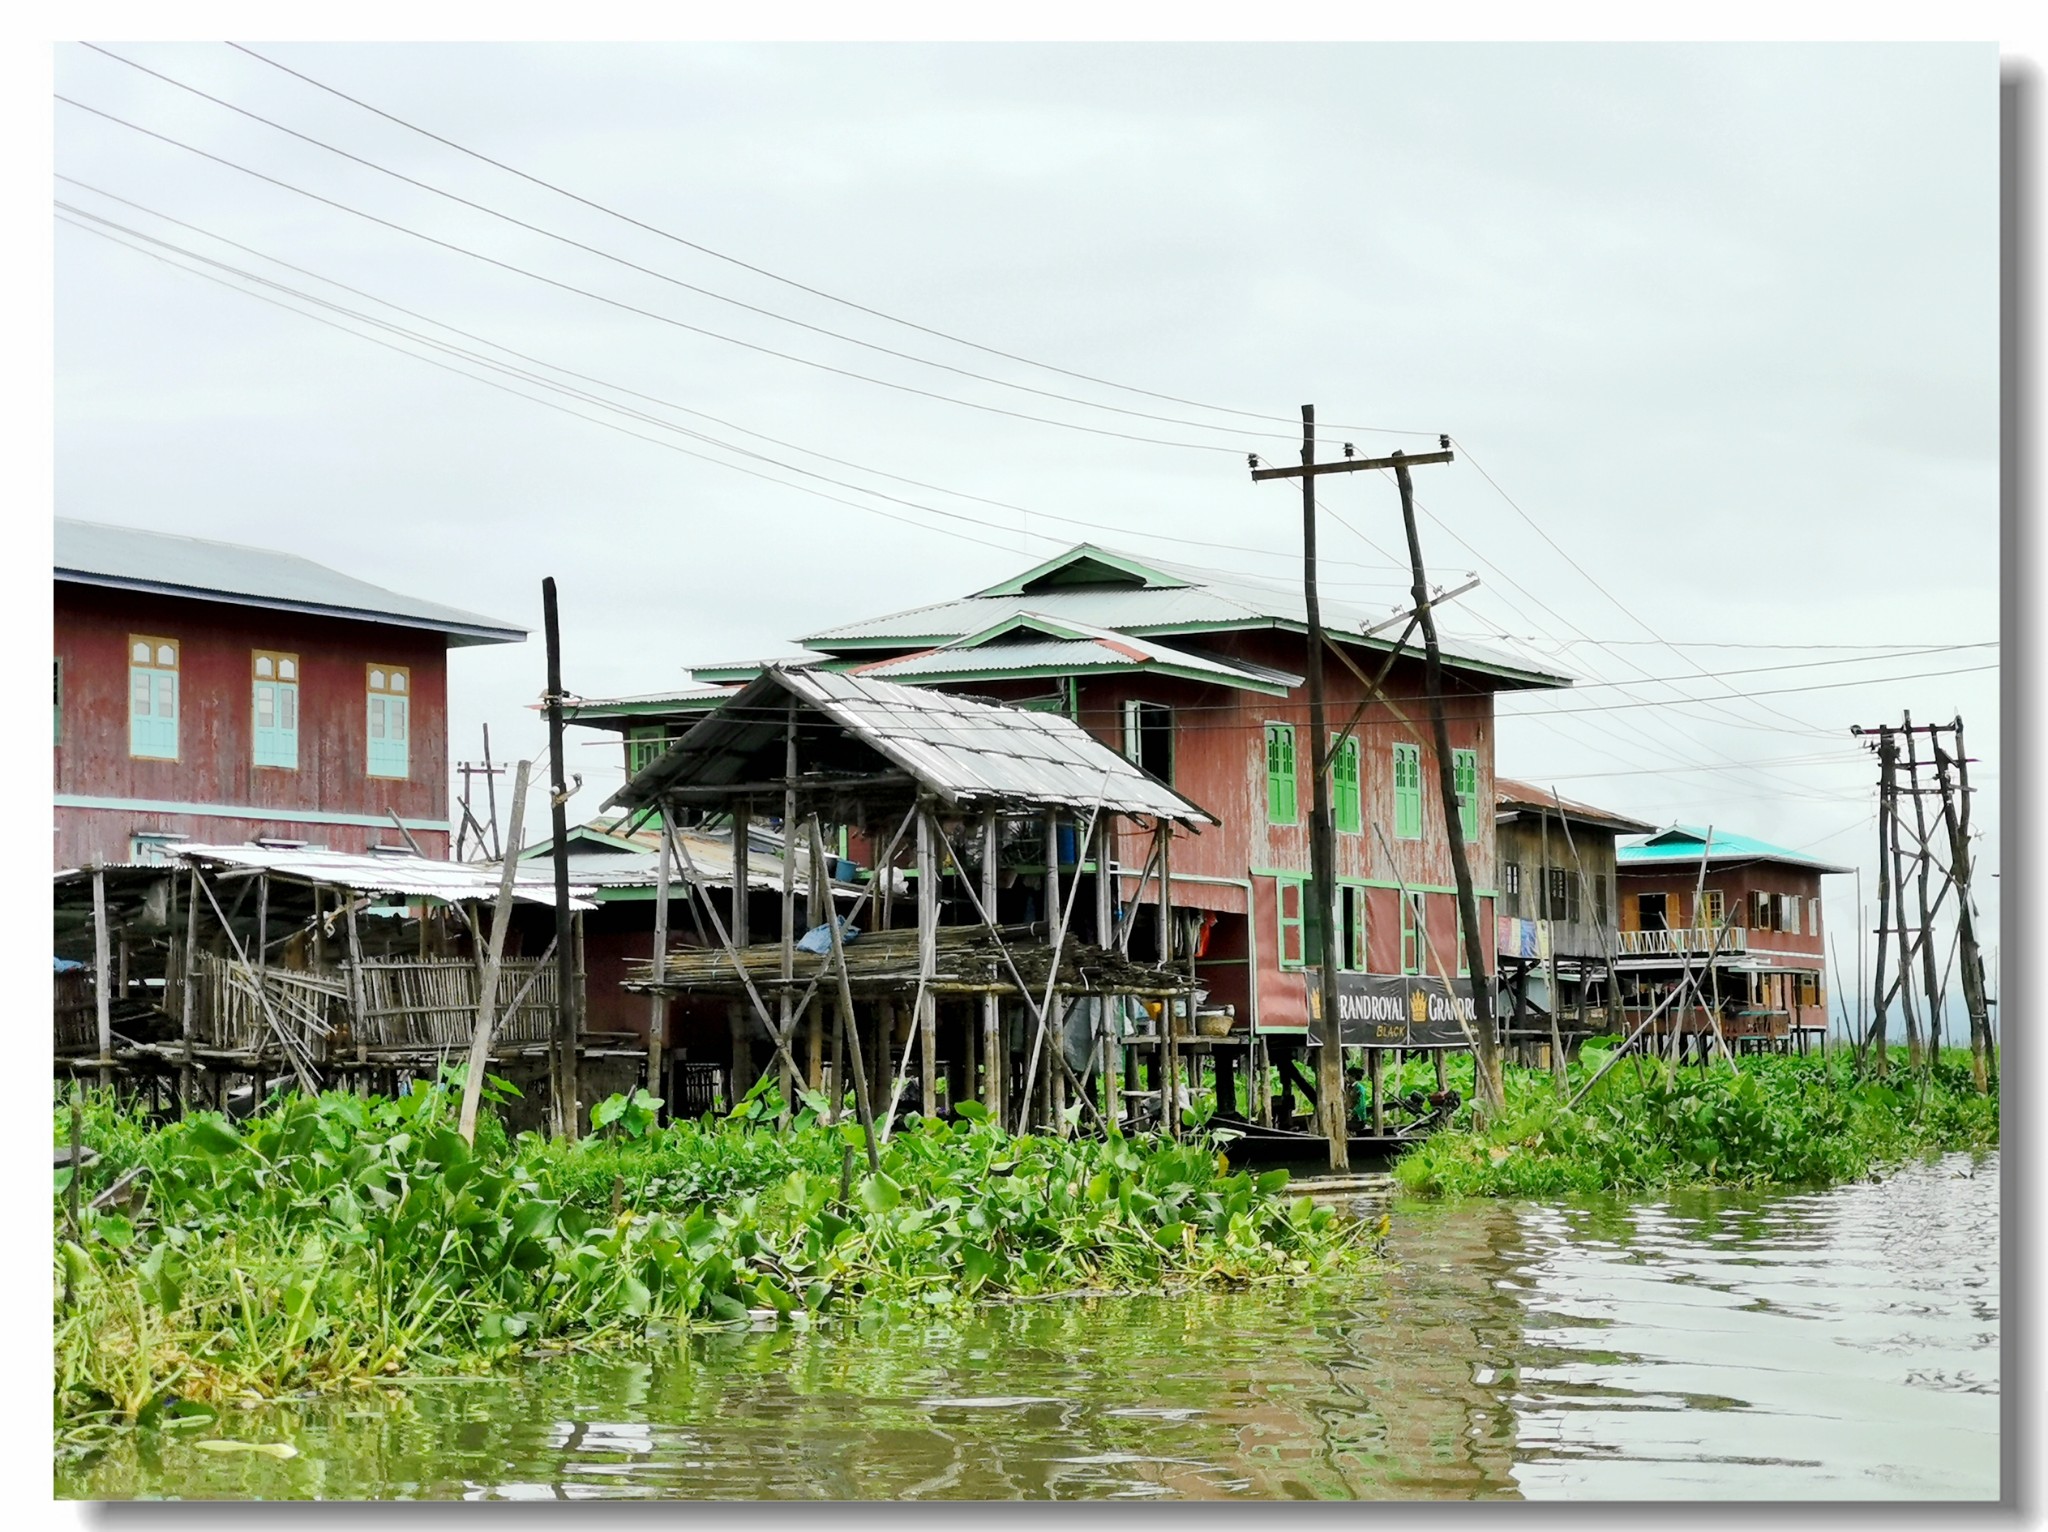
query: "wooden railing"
1683, 940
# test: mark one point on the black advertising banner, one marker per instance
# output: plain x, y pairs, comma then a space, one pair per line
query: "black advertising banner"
1382, 1010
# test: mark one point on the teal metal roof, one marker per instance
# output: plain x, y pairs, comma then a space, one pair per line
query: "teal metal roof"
1683, 843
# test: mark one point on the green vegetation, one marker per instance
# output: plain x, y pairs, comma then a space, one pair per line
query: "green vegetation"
333, 1239
1780, 1121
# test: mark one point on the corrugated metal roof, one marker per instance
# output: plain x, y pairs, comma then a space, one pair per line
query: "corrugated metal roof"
414, 877
967, 752
1510, 794
1032, 641
1682, 843
1182, 598
129, 558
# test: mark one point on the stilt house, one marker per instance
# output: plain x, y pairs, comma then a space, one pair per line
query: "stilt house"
1740, 915
988, 956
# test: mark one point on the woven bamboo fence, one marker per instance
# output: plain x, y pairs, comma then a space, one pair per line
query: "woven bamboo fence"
229, 1014
77, 1016
409, 1003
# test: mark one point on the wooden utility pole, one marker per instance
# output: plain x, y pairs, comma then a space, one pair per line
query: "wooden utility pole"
569, 1027
1957, 821
1330, 1105
1488, 1087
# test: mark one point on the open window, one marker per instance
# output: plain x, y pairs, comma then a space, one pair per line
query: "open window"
1148, 737
1651, 912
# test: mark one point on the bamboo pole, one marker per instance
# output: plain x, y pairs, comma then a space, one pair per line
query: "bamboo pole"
487, 981
861, 1101
102, 1000
995, 1058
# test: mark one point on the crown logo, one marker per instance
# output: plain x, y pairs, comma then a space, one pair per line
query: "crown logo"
1418, 1006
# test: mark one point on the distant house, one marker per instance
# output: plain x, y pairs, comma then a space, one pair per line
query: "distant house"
214, 693
1749, 928
1558, 897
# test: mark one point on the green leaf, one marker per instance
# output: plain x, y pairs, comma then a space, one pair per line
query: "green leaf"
212, 1137
973, 1111
878, 1194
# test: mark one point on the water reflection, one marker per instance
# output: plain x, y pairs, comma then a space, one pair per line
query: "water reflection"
1837, 1344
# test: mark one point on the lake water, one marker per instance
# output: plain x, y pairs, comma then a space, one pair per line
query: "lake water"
1835, 1344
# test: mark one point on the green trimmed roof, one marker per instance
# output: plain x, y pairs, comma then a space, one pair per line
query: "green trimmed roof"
1683, 843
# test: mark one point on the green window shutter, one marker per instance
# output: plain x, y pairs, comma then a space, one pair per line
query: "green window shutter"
1347, 809
1407, 792
1280, 774
1411, 936
644, 746
1289, 895
1311, 928
1465, 776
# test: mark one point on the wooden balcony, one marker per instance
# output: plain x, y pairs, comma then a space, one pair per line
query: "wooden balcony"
1684, 940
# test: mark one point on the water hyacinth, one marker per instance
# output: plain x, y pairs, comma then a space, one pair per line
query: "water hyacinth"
1779, 1121
335, 1238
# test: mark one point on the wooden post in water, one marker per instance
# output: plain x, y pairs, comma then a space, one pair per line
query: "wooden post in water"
569, 1016
924, 1018
102, 998
994, 1056
657, 1002
786, 996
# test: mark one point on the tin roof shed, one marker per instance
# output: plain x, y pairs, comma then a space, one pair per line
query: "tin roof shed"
968, 753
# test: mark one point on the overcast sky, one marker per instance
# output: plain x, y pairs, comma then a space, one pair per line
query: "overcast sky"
1720, 320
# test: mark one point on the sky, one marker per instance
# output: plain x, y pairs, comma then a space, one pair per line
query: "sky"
1714, 329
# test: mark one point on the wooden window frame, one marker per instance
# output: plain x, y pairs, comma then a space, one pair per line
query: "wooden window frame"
1277, 783
375, 691
1347, 787
156, 670
640, 735
1298, 925
1414, 932
1464, 766
281, 691
1135, 711
1407, 801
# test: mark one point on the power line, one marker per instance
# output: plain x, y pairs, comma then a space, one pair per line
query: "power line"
1538, 528
772, 276
660, 276
547, 404
1092, 525
667, 319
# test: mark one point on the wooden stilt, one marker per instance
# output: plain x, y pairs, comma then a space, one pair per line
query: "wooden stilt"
102, 999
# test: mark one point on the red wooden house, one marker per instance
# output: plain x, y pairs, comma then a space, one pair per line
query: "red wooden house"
1749, 927
1197, 676
215, 693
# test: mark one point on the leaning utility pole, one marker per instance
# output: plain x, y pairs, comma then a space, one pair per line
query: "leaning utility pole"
1488, 1088
1330, 1104
569, 1026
